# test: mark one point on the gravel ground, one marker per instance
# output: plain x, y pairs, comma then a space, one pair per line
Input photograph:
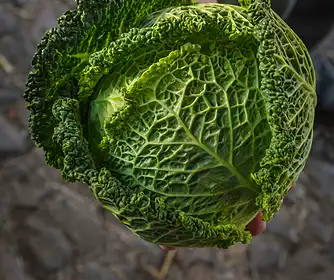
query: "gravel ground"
50, 229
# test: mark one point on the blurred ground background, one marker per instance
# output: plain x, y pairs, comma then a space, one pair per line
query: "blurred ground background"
51, 230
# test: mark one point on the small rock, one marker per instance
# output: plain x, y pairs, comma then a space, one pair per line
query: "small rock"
49, 245
297, 193
11, 265
284, 225
310, 259
234, 261
79, 219
65, 273
280, 276
323, 148
320, 226
28, 195
228, 275
321, 175
9, 97
176, 273
12, 141
324, 275
8, 21
267, 253
90, 271
189, 256
12, 49
200, 271
6, 197
329, 250
21, 3
308, 263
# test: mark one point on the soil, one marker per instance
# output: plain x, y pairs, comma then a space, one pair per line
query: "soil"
53, 230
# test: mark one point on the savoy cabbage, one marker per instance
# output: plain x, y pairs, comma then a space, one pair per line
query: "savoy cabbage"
184, 119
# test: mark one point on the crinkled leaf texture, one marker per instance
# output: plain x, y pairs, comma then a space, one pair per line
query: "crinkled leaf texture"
184, 119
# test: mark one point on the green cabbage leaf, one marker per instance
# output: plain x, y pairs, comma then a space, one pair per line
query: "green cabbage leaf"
184, 119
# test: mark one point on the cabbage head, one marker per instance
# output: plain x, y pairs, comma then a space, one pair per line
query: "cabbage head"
184, 119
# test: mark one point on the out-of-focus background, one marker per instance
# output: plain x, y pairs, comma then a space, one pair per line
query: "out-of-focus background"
52, 230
